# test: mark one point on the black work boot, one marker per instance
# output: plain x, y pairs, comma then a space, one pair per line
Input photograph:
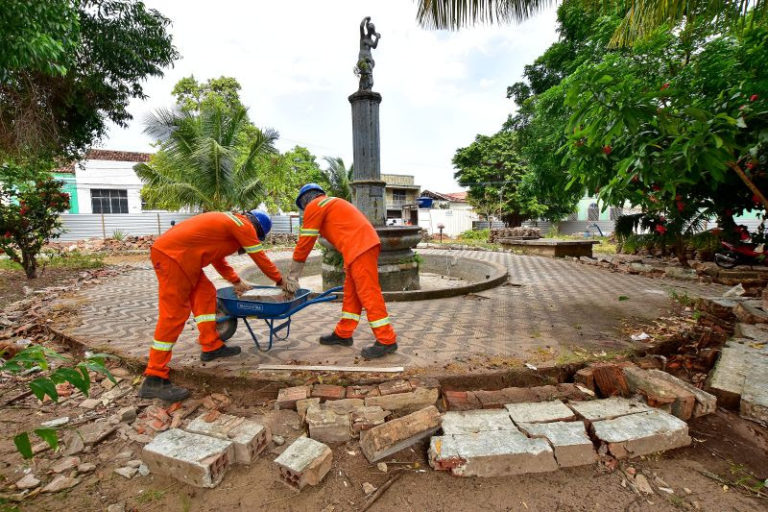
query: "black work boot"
157, 387
378, 350
224, 351
335, 339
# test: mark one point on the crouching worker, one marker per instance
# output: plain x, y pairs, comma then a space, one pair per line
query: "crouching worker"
354, 237
179, 257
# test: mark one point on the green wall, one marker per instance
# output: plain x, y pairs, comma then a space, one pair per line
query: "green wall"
69, 187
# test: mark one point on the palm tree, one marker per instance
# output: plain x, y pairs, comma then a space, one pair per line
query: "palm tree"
641, 16
212, 161
338, 178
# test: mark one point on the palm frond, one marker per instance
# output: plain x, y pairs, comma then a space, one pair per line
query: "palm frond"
455, 14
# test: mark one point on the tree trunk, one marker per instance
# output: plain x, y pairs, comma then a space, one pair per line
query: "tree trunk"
680, 251
29, 263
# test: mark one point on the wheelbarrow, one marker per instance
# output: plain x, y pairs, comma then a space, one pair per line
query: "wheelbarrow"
277, 315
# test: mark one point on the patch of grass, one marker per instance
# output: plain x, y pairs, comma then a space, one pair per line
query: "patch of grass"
480, 234
150, 496
71, 260
606, 246
623, 298
677, 501
683, 299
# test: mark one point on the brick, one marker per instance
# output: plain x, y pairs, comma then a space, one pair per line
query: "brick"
469, 422
750, 312
570, 391
287, 397
365, 418
393, 436
642, 433
305, 462
249, 438
720, 307
498, 399
490, 454
586, 378
610, 380
570, 441
539, 412
344, 406
304, 404
361, 391
424, 382
393, 387
660, 393
405, 402
328, 392
194, 459
461, 400
608, 408
327, 426
705, 403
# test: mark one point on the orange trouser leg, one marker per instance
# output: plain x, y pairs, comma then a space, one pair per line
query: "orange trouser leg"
204, 309
174, 290
365, 273
350, 310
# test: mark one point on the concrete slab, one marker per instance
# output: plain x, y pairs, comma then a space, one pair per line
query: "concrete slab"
484, 420
757, 332
328, 426
726, 381
754, 398
661, 392
706, 403
489, 454
642, 433
608, 408
539, 412
250, 438
194, 459
572, 445
304, 463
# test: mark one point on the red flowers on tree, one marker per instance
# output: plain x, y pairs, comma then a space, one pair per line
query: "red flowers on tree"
660, 229
607, 149
665, 86
753, 97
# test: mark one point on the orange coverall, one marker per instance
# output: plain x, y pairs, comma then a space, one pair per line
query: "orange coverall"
179, 257
350, 232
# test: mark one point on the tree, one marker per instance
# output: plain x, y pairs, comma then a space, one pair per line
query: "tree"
68, 67
493, 169
193, 96
640, 18
287, 175
205, 161
337, 178
29, 215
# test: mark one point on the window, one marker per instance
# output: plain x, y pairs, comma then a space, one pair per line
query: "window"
104, 200
398, 194
593, 212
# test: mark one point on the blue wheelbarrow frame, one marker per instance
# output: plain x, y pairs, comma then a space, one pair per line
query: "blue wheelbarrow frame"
277, 315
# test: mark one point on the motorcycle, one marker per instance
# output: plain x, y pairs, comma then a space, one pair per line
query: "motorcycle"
732, 254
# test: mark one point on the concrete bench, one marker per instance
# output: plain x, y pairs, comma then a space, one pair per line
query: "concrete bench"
550, 247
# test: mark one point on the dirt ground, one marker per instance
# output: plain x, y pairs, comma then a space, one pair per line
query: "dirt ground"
725, 448
12, 282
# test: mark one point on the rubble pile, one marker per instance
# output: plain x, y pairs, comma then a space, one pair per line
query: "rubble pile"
520, 233
128, 243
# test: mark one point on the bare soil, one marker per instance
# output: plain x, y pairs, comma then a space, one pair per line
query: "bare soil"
12, 282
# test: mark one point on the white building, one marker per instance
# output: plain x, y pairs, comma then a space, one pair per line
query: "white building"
107, 183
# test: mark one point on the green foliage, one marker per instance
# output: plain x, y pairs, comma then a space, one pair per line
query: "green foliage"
61, 259
67, 67
118, 235
332, 257
37, 356
476, 234
30, 204
193, 96
336, 178
493, 169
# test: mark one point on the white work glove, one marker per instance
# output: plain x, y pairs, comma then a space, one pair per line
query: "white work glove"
291, 281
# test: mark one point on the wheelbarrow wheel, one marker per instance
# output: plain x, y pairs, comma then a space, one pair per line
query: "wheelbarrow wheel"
225, 328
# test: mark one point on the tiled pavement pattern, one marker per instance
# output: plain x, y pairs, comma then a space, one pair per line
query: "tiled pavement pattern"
553, 303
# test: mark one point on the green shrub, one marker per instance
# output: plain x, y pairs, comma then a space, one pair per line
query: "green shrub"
480, 234
61, 259
118, 235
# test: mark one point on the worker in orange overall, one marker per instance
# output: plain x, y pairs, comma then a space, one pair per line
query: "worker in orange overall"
354, 237
179, 256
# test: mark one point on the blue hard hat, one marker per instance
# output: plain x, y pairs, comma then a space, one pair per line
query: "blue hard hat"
264, 222
306, 188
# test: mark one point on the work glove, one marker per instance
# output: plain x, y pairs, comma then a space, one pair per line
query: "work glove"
291, 282
241, 287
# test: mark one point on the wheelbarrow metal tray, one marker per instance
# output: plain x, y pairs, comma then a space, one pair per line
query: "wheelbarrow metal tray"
242, 308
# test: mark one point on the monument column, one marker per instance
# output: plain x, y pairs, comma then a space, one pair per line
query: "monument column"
367, 187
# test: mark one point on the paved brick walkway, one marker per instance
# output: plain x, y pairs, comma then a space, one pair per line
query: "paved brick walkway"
553, 307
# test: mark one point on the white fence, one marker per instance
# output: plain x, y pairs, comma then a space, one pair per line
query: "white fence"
455, 221
87, 225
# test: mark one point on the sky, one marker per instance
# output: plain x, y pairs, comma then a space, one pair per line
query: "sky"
295, 58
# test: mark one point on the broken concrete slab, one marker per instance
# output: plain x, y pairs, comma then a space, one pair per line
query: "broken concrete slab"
570, 441
93, 433
490, 454
659, 392
483, 420
643, 433
287, 397
365, 418
757, 332
706, 403
195, 459
393, 436
344, 406
393, 387
404, 402
539, 412
751, 312
726, 381
305, 462
250, 438
60, 483
328, 426
304, 404
607, 408
754, 397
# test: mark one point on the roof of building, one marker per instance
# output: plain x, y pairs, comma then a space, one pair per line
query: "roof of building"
454, 197
106, 154
459, 197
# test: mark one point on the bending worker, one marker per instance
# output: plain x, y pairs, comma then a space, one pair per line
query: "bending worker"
353, 236
179, 257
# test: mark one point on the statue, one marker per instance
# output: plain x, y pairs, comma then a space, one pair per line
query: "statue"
369, 39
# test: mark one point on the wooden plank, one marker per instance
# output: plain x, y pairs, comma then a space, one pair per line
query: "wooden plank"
332, 368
